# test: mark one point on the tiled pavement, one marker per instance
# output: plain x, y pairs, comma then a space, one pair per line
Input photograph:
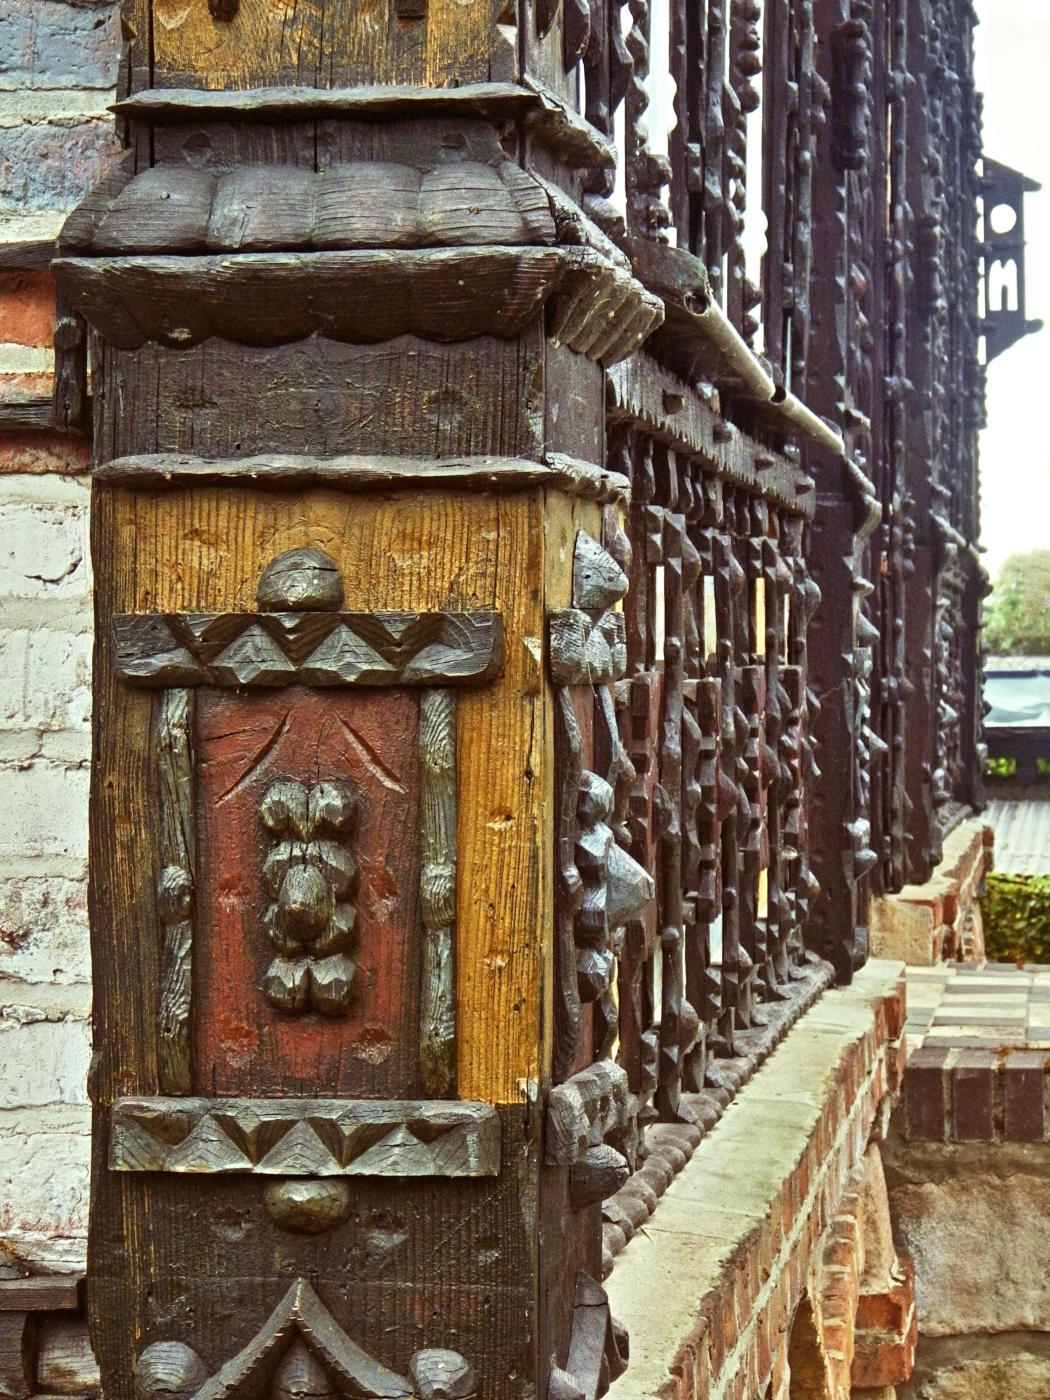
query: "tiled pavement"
956, 1006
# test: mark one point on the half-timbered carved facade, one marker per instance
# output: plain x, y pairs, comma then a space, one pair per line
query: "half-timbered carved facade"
534, 522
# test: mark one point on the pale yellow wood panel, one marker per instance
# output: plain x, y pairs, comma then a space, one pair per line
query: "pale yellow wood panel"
324, 43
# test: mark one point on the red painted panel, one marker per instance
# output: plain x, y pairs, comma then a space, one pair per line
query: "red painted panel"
243, 1044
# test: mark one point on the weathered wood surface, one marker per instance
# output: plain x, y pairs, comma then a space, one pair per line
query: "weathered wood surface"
223, 1259
405, 398
66, 1364
17, 1354
302, 1350
445, 45
353, 984
41, 1293
305, 1137
364, 296
349, 204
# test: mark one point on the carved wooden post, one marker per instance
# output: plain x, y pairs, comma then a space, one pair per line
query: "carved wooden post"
347, 367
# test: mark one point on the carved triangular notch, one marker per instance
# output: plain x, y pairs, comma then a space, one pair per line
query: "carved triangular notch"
300, 1353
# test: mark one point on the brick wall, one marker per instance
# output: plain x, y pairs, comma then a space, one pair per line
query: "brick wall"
58, 63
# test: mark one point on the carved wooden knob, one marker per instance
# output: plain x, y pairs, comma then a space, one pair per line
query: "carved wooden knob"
437, 1374
168, 1371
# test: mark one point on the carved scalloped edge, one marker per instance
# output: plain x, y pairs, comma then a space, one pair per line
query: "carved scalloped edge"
363, 296
286, 208
671, 1145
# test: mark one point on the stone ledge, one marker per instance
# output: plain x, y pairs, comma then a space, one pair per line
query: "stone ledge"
669, 1146
738, 1231
941, 919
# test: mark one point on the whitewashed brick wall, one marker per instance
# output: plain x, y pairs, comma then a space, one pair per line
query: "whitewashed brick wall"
45, 750
58, 61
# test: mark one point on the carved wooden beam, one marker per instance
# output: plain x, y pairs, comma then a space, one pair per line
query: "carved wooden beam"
281, 470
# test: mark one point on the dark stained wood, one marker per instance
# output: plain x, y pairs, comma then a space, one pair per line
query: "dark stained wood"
282, 470
597, 1347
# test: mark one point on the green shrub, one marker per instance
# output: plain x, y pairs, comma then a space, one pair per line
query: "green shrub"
1016, 912
1002, 767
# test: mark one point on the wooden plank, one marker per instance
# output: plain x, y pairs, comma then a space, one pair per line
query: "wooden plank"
66, 1364
155, 471
407, 397
40, 1293
17, 1355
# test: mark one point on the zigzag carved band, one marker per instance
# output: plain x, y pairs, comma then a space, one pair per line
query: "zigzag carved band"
305, 1137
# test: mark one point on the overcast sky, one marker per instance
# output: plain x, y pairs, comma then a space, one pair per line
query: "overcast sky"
1013, 50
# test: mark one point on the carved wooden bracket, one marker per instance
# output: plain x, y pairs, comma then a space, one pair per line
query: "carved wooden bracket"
362, 252
300, 1350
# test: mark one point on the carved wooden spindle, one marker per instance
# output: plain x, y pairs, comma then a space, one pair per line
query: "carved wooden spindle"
437, 890
173, 747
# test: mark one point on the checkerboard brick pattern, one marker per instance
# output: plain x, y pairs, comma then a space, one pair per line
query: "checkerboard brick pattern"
978, 1040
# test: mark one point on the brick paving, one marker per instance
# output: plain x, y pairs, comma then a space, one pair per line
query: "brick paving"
978, 1045
978, 1008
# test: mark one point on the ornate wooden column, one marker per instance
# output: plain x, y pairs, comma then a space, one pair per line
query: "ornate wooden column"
346, 360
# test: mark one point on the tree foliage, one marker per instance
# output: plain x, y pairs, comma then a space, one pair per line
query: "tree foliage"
1017, 615
1017, 917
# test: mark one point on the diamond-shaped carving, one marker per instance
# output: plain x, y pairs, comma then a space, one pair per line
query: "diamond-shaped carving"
345, 657
253, 659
